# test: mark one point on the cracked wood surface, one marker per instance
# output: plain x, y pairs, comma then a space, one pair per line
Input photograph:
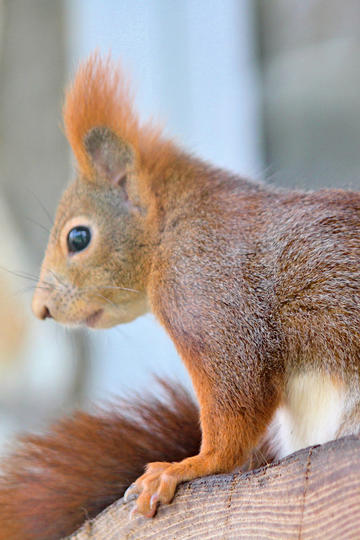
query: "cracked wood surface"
313, 494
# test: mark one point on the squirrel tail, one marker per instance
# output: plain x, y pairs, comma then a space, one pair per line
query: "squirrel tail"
52, 483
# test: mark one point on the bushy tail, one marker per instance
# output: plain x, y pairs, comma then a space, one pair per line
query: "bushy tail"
53, 483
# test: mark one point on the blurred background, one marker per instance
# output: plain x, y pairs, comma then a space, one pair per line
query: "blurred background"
270, 89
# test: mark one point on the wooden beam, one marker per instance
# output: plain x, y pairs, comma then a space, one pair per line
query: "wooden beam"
314, 493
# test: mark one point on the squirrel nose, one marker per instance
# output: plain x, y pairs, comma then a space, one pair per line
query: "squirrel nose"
45, 313
39, 307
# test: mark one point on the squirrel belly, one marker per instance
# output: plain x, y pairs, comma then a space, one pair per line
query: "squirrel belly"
313, 412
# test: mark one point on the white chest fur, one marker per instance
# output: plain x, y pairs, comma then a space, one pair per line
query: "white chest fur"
310, 414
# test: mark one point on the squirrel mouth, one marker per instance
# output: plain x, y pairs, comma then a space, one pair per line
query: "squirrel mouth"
92, 319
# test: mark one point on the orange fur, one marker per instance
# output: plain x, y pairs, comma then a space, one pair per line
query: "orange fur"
100, 96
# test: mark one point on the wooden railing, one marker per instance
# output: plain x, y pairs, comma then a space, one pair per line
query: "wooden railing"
313, 494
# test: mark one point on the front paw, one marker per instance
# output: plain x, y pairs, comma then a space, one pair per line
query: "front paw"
156, 485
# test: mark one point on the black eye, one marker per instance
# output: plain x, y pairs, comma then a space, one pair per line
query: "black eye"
78, 239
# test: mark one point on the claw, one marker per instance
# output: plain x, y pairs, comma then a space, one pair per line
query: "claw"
131, 493
154, 501
151, 489
133, 513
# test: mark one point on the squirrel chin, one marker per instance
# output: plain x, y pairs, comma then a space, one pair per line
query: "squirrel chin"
101, 319
92, 320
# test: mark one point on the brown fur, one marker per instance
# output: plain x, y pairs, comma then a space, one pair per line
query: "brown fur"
253, 284
53, 483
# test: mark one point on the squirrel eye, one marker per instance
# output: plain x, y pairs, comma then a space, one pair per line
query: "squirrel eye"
78, 239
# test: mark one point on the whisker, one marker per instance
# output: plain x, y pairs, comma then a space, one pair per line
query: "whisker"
108, 300
23, 275
32, 288
38, 224
120, 288
58, 278
101, 287
24, 290
19, 273
41, 205
121, 332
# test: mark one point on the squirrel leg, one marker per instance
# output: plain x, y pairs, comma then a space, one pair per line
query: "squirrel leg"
224, 448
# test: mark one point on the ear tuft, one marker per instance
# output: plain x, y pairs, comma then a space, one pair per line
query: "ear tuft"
100, 96
109, 155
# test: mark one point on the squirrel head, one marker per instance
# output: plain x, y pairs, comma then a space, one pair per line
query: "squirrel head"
99, 253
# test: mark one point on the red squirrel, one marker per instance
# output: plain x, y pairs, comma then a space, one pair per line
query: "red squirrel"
258, 287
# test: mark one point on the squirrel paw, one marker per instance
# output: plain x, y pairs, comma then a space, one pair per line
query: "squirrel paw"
155, 486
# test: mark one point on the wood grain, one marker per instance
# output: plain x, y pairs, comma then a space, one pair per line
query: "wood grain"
312, 494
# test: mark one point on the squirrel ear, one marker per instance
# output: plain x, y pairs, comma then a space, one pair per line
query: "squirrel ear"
109, 155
